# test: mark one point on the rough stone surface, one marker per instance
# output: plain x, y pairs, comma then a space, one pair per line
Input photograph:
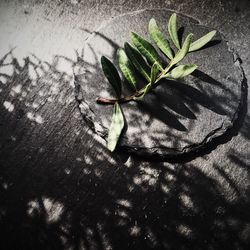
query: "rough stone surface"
177, 117
60, 188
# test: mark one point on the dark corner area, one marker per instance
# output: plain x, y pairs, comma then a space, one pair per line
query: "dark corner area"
61, 188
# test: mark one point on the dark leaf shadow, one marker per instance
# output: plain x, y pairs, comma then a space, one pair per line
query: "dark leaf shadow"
167, 96
155, 108
192, 94
180, 34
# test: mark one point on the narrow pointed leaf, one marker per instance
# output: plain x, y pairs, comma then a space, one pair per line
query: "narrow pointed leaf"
111, 74
202, 41
138, 61
154, 73
126, 67
181, 71
145, 48
183, 51
116, 127
159, 38
172, 29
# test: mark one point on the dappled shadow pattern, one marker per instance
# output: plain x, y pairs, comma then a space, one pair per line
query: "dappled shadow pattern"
90, 203
72, 194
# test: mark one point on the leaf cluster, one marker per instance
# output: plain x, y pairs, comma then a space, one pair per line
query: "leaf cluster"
142, 57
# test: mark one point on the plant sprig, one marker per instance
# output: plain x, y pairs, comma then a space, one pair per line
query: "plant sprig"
143, 58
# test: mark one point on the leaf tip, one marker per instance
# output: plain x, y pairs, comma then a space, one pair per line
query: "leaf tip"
152, 21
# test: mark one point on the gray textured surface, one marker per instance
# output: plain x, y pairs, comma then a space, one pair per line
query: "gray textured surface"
177, 117
59, 186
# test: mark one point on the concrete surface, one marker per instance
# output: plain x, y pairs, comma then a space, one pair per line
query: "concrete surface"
61, 189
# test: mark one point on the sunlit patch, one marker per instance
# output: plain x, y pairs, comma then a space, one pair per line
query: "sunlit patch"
1, 90
184, 230
74, 2
122, 213
41, 93
39, 72
3, 79
186, 201
9, 106
86, 171
148, 176
135, 231
79, 159
5, 185
151, 236
165, 188
54, 89
69, 100
170, 177
24, 94
54, 209
77, 132
35, 105
131, 188
17, 89
64, 66
129, 162
124, 203
13, 138
169, 166
37, 118
104, 237
67, 171
32, 73
88, 160
137, 180
98, 172
122, 222
33, 207
89, 231
50, 99
7, 70
104, 93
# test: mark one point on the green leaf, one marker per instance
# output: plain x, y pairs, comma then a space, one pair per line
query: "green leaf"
146, 90
172, 29
154, 73
202, 41
145, 48
137, 60
126, 67
183, 51
111, 74
116, 127
181, 71
159, 38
